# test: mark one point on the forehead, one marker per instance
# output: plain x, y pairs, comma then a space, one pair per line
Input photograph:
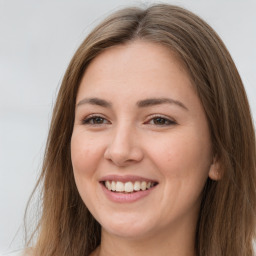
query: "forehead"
138, 63
150, 54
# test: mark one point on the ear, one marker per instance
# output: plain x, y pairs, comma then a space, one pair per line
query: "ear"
215, 172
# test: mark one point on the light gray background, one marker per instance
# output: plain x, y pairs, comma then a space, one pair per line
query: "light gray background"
37, 40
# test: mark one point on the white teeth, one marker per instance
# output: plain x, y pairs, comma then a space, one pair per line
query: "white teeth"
119, 186
136, 186
143, 185
108, 185
113, 186
129, 186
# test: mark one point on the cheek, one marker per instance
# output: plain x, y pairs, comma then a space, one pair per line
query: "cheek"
84, 154
183, 154
85, 157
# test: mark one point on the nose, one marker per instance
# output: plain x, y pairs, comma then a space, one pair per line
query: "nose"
124, 148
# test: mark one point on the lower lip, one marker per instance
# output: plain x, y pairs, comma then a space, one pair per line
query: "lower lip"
120, 197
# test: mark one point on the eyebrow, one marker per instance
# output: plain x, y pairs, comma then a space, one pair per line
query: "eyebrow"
141, 104
95, 101
159, 101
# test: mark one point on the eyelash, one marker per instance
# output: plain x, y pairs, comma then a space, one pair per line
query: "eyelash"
87, 120
167, 121
92, 118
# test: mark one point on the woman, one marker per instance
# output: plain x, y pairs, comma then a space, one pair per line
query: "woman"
151, 149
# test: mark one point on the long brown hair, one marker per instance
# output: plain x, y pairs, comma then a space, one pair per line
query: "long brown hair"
226, 224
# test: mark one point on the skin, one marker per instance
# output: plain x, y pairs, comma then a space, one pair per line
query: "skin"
167, 143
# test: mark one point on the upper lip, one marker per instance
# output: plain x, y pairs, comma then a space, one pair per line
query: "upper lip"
126, 178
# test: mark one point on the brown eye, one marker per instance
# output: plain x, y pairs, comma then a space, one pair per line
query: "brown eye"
95, 120
161, 121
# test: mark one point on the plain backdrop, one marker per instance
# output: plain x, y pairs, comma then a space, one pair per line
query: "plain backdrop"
37, 41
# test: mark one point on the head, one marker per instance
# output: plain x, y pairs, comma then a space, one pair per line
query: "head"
225, 223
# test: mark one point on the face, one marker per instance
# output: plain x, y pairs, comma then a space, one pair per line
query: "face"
140, 148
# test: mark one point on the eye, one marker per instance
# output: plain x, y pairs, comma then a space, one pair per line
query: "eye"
95, 120
161, 121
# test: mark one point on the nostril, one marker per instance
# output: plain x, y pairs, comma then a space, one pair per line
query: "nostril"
123, 156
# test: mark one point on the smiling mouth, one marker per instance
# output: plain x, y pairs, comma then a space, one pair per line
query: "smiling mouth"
128, 187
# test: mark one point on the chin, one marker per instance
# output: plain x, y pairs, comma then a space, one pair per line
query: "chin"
128, 228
